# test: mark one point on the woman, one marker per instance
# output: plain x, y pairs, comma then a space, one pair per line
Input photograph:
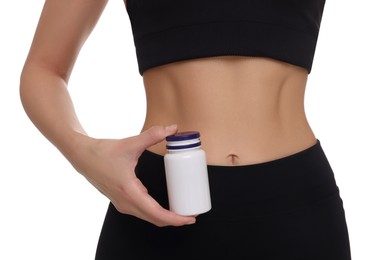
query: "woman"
236, 71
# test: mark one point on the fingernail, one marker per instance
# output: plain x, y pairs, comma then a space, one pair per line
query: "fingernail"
191, 222
171, 128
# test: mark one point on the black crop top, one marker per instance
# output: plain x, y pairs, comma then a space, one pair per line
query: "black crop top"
166, 31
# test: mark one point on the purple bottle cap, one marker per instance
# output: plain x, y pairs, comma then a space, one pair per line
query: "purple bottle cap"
182, 136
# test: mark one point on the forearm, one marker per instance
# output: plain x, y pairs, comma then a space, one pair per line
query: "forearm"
48, 104
108, 164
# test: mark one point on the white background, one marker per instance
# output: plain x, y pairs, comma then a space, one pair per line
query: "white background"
48, 211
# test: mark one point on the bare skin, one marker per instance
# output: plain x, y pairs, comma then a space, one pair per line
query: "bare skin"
248, 110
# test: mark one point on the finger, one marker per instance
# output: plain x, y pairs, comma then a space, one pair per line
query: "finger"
163, 217
149, 209
159, 216
155, 135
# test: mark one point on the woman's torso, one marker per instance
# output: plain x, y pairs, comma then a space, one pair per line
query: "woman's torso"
247, 109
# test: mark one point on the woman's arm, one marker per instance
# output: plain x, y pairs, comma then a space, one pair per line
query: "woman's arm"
108, 164
61, 32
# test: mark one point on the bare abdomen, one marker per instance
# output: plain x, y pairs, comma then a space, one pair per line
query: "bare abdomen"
248, 110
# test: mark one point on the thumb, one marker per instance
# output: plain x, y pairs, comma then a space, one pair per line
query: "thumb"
156, 134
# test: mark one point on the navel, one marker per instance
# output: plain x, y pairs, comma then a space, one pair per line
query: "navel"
233, 159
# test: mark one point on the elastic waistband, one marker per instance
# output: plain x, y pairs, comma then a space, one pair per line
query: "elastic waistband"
259, 189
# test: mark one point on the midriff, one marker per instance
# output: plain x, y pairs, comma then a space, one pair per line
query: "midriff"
248, 109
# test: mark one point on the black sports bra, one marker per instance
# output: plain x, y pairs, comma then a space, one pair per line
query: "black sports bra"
166, 31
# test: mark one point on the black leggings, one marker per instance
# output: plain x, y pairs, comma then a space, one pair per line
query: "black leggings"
286, 209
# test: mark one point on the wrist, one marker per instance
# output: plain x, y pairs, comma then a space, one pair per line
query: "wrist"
75, 145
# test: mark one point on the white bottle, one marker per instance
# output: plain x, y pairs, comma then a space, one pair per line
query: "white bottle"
186, 174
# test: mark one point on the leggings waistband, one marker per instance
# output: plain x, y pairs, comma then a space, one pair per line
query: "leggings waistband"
272, 187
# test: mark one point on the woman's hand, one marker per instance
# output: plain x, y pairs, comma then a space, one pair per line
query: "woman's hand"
110, 166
